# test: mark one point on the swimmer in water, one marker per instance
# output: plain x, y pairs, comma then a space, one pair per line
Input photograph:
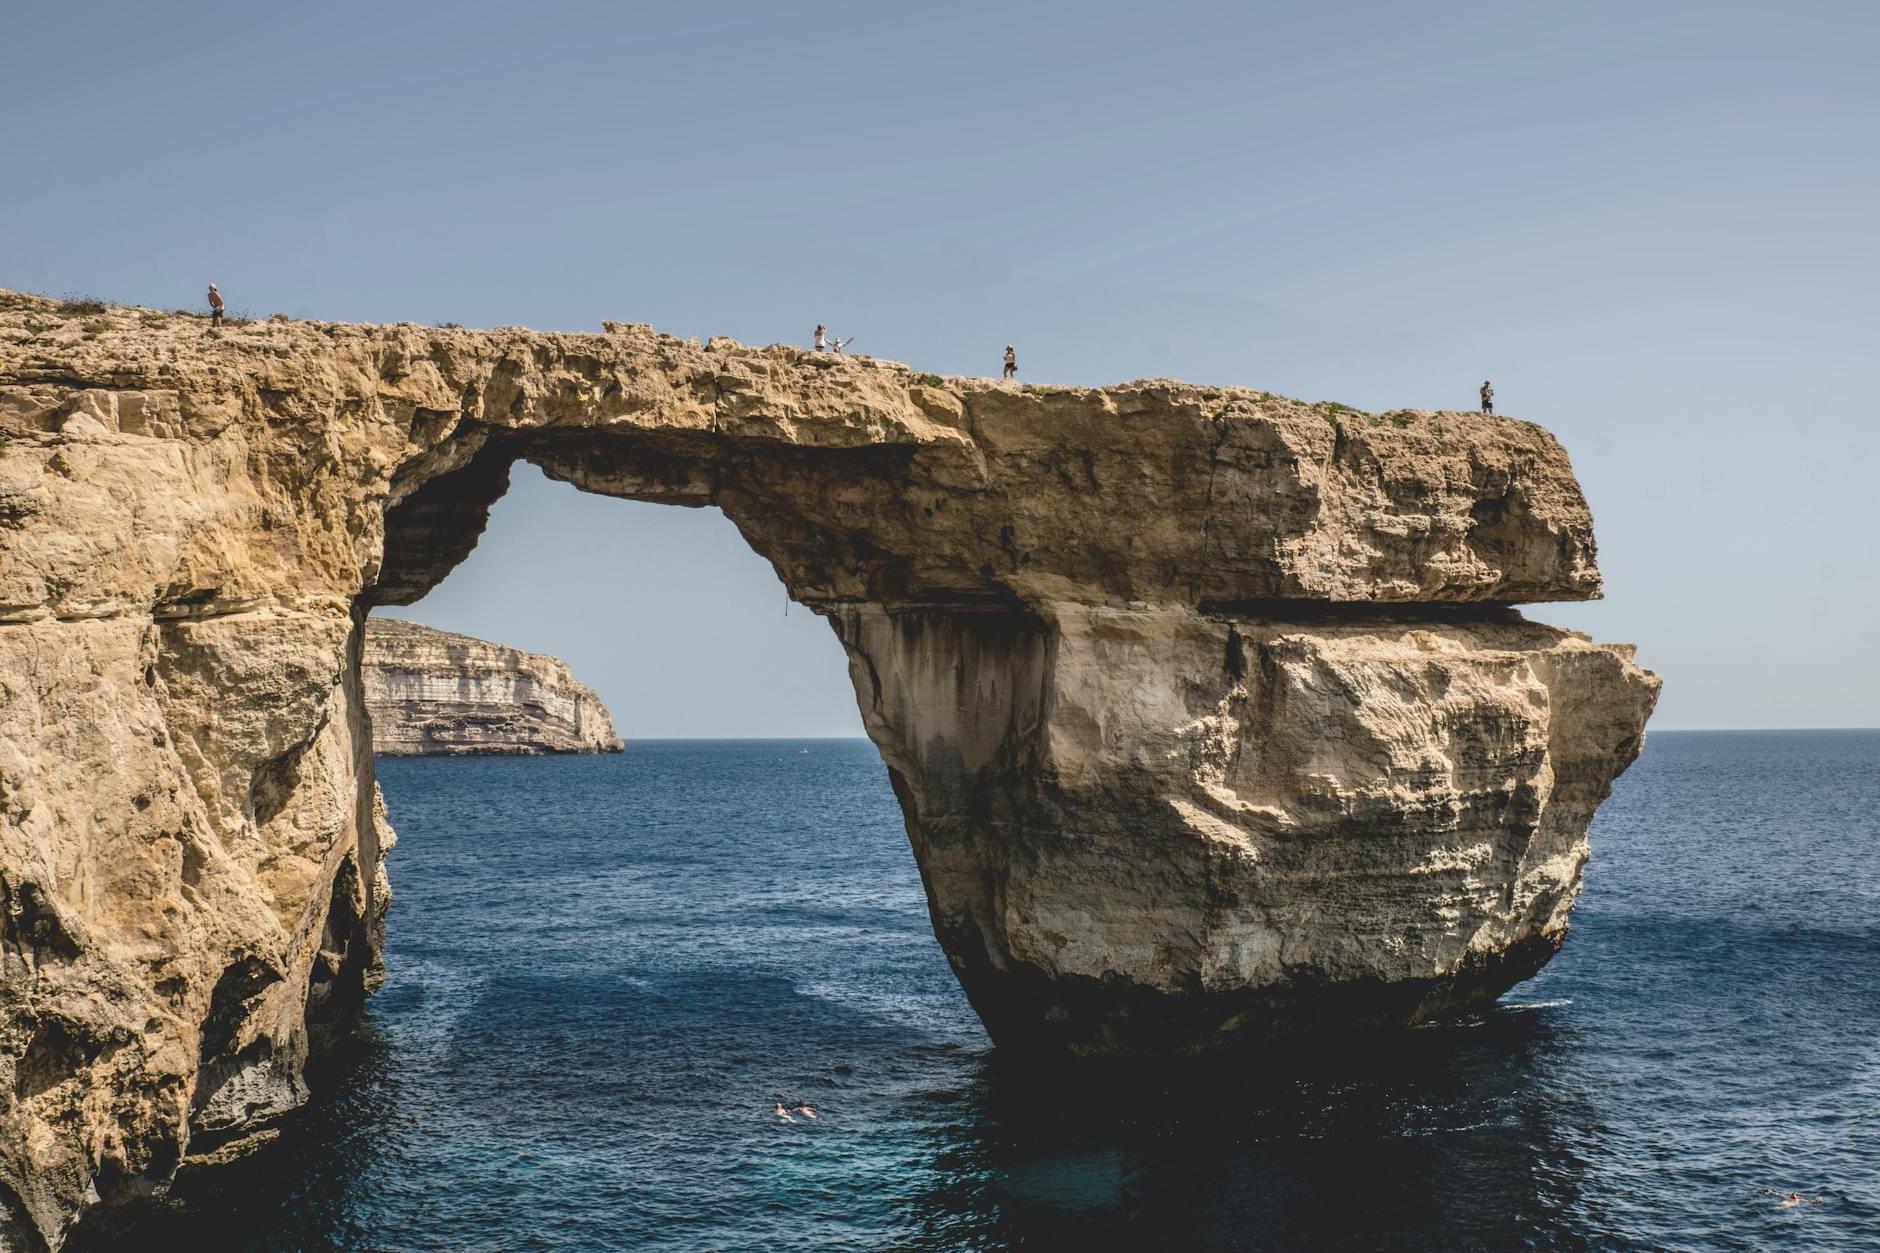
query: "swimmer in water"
1791, 1199
783, 1115
804, 1108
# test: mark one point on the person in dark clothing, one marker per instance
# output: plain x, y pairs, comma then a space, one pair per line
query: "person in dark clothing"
1011, 362
1488, 397
215, 306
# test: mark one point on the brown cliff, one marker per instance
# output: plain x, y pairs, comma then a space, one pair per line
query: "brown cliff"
1206, 708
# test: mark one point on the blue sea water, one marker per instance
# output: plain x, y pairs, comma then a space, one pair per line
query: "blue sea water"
603, 971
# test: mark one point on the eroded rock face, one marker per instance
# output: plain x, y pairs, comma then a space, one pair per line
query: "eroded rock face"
437, 693
1146, 830
1204, 706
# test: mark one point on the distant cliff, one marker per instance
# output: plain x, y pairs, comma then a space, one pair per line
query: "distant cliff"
435, 692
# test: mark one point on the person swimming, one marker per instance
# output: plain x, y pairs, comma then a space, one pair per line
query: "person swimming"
783, 1115
804, 1108
1792, 1199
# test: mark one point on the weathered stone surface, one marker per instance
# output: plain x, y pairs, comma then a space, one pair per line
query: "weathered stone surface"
1149, 830
1205, 707
437, 693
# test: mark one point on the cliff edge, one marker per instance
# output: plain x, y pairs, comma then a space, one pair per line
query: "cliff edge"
1208, 710
437, 693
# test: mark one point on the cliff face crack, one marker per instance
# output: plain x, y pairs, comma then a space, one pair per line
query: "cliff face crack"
1207, 504
1187, 760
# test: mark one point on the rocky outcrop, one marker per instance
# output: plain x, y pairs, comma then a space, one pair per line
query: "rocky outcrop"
1206, 708
1147, 830
436, 693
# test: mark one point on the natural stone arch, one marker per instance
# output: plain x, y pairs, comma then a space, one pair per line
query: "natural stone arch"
1205, 708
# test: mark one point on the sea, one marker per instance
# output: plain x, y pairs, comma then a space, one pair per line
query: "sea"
604, 972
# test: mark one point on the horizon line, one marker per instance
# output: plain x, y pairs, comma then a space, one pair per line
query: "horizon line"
1660, 730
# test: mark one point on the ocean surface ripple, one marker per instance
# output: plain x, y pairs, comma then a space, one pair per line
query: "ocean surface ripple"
605, 970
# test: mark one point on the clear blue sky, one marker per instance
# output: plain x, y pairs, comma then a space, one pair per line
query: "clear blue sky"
1652, 223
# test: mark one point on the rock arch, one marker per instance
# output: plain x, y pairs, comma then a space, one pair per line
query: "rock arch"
1207, 709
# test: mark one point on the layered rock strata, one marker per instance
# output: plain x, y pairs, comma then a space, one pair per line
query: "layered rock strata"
1205, 707
437, 693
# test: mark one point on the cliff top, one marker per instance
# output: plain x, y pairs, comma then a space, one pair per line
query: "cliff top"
384, 632
40, 335
861, 479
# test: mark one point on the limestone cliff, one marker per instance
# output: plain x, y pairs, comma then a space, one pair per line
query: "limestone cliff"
436, 693
1206, 708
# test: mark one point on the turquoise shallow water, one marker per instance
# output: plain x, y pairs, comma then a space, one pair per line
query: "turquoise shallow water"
604, 970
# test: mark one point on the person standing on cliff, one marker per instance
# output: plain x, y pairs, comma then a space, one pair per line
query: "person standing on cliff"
1488, 397
215, 306
1011, 362
822, 337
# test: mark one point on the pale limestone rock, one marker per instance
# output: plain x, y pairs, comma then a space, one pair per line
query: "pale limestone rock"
1148, 830
1202, 704
434, 692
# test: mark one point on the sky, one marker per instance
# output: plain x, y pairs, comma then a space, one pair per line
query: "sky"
1652, 224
